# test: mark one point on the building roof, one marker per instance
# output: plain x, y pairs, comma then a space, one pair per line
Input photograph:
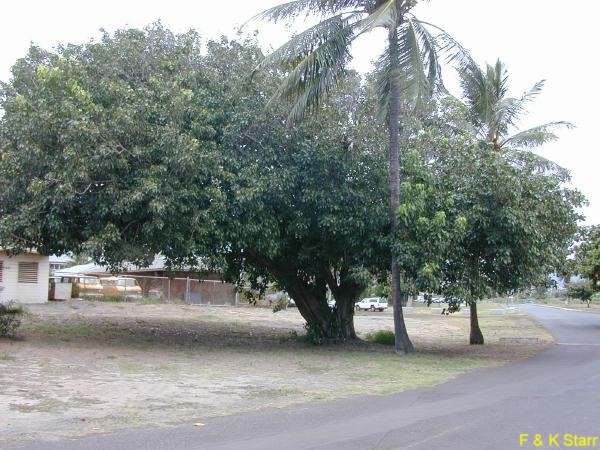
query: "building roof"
58, 259
157, 265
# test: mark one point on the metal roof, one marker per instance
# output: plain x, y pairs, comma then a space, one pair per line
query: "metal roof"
157, 265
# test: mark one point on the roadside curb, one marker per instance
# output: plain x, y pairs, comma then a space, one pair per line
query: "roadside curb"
558, 307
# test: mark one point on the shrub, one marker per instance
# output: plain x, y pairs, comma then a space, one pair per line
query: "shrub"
10, 318
581, 290
383, 337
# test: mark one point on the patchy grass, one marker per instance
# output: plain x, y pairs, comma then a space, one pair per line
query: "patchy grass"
81, 367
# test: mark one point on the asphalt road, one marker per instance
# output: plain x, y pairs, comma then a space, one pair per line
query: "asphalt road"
554, 395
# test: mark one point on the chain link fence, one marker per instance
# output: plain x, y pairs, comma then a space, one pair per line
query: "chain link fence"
188, 290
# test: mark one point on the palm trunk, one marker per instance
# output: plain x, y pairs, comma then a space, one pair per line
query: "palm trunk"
402, 341
476, 336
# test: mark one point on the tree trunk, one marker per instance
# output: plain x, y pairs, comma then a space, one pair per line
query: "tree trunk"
476, 337
402, 341
325, 324
346, 292
344, 316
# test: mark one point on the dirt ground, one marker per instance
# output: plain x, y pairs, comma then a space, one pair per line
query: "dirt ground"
83, 367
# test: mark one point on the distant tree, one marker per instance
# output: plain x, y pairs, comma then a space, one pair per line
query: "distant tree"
476, 223
494, 115
587, 256
582, 290
521, 221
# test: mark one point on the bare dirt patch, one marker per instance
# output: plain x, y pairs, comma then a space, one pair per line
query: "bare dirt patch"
83, 367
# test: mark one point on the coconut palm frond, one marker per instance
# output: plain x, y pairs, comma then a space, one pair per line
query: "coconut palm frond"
511, 109
476, 93
303, 44
290, 10
385, 15
526, 158
382, 79
419, 74
497, 78
536, 136
449, 48
316, 61
429, 55
493, 114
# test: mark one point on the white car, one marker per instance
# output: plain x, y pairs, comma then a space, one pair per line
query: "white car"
372, 304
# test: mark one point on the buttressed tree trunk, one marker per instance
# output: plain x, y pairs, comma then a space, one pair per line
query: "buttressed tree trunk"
344, 317
476, 336
332, 324
346, 293
402, 341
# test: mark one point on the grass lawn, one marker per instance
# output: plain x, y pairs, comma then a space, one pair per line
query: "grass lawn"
81, 367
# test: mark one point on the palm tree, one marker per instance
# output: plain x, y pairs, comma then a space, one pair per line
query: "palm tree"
315, 61
494, 115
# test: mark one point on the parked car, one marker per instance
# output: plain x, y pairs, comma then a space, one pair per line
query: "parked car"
372, 304
125, 287
331, 302
83, 285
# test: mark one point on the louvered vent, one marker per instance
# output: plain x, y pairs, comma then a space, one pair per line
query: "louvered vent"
28, 272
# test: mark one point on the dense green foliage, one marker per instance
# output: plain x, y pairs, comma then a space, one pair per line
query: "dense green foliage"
476, 223
408, 74
139, 144
587, 256
110, 148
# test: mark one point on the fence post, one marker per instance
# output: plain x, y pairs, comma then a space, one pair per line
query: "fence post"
187, 290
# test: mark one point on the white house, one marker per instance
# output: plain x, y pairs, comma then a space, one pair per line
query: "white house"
58, 263
24, 277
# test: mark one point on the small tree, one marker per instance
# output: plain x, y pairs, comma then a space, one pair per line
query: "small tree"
493, 119
476, 223
581, 290
587, 256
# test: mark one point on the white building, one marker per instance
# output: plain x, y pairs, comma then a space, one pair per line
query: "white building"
24, 277
58, 263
